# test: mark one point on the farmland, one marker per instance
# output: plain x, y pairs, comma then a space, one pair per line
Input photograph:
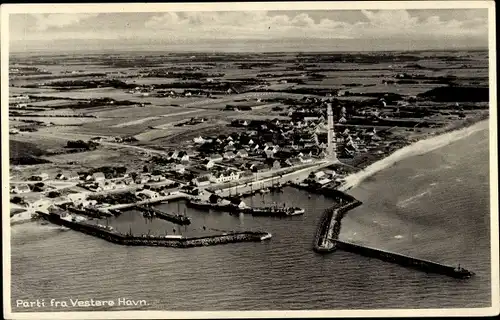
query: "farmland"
146, 97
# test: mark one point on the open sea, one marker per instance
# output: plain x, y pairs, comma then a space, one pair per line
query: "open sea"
434, 206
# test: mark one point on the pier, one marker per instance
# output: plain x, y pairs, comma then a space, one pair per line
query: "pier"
175, 218
326, 240
175, 241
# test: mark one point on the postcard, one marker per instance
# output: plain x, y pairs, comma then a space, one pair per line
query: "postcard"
243, 160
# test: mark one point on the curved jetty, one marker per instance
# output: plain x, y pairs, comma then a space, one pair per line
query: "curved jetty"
177, 241
326, 240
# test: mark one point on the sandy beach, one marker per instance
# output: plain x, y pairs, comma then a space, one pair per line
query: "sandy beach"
417, 148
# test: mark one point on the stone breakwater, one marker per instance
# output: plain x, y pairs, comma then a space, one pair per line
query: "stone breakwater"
161, 241
328, 229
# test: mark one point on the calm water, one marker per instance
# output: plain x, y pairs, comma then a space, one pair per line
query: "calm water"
434, 206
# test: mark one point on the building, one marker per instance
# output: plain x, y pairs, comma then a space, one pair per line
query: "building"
229, 155
215, 157
199, 140
293, 162
331, 149
180, 168
173, 154
201, 181
242, 153
306, 159
208, 164
40, 177
68, 175
147, 194
268, 154
20, 188
98, 176
222, 177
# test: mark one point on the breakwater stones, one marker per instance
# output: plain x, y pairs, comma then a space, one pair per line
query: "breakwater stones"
329, 225
160, 241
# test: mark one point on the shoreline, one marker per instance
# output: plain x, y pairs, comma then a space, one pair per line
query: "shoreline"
419, 147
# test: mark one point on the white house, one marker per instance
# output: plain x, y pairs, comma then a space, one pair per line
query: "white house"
208, 164
215, 157
199, 140
225, 177
147, 194
98, 176
305, 159
229, 155
201, 181
242, 153
20, 188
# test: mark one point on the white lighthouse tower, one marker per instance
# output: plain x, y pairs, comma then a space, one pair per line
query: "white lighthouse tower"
331, 149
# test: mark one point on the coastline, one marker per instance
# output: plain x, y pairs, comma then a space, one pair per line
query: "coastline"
416, 148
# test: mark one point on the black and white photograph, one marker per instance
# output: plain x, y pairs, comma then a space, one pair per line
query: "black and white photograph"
266, 159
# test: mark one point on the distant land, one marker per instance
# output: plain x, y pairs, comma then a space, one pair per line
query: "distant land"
250, 45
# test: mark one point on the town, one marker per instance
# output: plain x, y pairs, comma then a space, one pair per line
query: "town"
95, 143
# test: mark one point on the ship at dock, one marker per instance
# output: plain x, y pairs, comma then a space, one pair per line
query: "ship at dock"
273, 211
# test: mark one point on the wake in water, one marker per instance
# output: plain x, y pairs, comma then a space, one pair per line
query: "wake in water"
417, 148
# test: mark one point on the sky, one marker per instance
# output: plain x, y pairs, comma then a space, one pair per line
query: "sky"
342, 30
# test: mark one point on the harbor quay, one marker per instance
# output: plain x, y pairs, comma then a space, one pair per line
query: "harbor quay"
176, 241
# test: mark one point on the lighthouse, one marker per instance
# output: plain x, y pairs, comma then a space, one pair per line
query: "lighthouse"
331, 149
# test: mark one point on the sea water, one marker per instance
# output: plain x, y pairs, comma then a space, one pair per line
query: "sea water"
433, 206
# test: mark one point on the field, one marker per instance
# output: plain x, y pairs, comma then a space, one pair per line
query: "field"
262, 81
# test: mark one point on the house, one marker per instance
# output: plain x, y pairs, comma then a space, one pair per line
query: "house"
20, 188
128, 181
156, 178
173, 154
199, 140
201, 181
40, 177
107, 185
225, 177
41, 205
208, 163
215, 157
69, 175
293, 162
242, 153
323, 181
305, 159
268, 154
276, 164
147, 194
259, 168
98, 176
190, 153
180, 168
229, 155
185, 158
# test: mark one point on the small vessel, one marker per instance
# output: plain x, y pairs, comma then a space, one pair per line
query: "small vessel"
63, 228
265, 237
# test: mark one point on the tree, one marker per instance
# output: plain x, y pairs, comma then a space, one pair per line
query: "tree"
145, 169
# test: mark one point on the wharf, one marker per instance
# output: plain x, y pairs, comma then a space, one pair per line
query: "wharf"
175, 241
176, 196
175, 218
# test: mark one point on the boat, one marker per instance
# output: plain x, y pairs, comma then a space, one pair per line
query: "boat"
63, 228
275, 211
265, 237
266, 190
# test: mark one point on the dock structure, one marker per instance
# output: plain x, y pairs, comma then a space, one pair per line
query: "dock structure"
175, 218
176, 241
326, 240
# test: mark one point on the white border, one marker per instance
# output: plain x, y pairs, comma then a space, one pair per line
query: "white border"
148, 7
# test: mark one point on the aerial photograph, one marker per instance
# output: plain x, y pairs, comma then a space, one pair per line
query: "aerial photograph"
249, 160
